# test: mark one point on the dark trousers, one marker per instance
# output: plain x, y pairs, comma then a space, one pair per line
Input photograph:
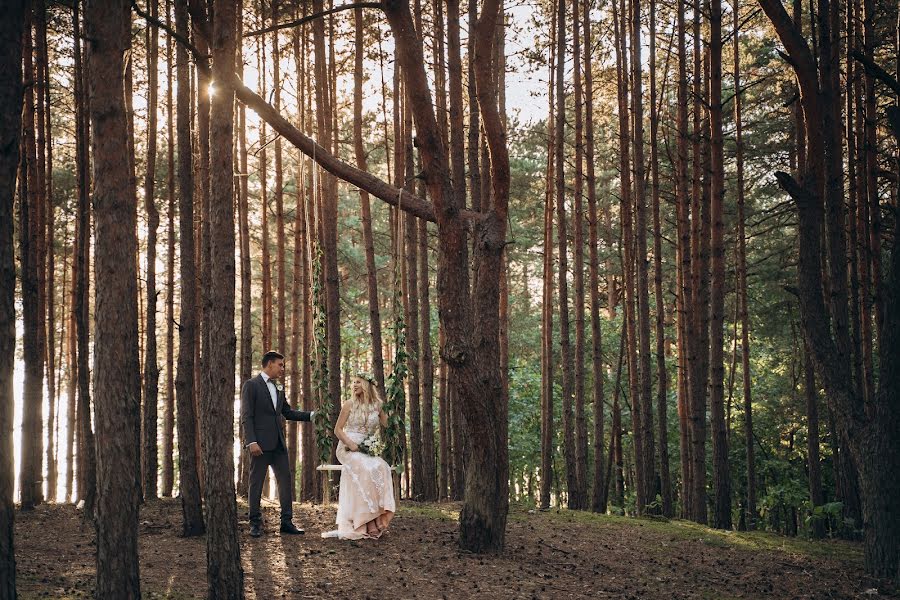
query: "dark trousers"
278, 460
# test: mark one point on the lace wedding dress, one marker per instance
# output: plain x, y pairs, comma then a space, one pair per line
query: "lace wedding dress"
366, 489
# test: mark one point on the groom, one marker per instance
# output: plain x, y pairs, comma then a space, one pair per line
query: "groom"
264, 408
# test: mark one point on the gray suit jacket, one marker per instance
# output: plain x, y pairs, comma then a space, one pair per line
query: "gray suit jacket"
260, 421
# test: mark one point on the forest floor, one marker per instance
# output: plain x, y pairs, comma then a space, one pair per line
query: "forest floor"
552, 554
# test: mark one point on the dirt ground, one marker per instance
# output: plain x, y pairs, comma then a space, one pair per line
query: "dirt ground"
553, 554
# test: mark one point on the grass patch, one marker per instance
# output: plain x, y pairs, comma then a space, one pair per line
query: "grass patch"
746, 540
439, 512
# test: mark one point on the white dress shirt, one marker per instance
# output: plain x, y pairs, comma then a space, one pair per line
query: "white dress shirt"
272, 392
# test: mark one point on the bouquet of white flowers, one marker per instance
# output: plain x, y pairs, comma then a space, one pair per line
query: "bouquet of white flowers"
372, 445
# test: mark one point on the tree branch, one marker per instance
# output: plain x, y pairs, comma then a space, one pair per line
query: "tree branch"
796, 191
407, 201
171, 32
876, 71
308, 18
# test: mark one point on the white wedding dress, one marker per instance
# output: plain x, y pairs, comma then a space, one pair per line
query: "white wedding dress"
366, 489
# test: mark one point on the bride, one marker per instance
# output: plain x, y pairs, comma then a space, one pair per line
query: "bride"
366, 499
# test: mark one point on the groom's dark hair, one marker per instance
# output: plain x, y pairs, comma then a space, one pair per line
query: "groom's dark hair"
270, 356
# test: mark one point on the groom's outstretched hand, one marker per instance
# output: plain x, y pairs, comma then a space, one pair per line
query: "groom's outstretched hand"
255, 450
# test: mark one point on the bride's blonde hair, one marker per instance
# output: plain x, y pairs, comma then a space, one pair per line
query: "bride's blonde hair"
370, 396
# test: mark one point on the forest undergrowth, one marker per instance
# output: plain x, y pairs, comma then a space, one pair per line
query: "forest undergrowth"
549, 554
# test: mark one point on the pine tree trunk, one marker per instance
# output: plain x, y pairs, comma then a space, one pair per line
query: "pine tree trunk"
483, 517
30, 472
699, 335
72, 355
626, 215
816, 495
442, 99
412, 342
874, 233
305, 193
202, 340
45, 168
426, 371
547, 429
168, 436
266, 261
647, 470
11, 97
598, 500
87, 465
580, 424
281, 342
225, 578
117, 401
665, 482
685, 280
721, 471
568, 365
188, 476
245, 359
750, 456
443, 425
458, 174
133, 185
149, 455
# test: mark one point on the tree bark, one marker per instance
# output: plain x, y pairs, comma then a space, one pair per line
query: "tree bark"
168, 436
721, 471
245, 360
71, 345
458, 176
547, 429
580, 423
749, 451
685, 283
665, 482
281, 344
87, 465
117, 402
699, 333
412, 339
647, 470
188, 476
305, 192
598, 501
149, 454
45, 169
266, 260
225, 578
568, 360
426, 371
816, 495
30, 471
11, 97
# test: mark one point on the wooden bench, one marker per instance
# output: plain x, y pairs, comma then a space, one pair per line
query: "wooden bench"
326, 483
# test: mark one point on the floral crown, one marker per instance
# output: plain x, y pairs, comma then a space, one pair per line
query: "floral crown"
368, 377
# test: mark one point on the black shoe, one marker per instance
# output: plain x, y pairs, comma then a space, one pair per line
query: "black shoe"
255, 530
289, 528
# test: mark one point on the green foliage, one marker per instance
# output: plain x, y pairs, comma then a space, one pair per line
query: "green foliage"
396, 396
324, 405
